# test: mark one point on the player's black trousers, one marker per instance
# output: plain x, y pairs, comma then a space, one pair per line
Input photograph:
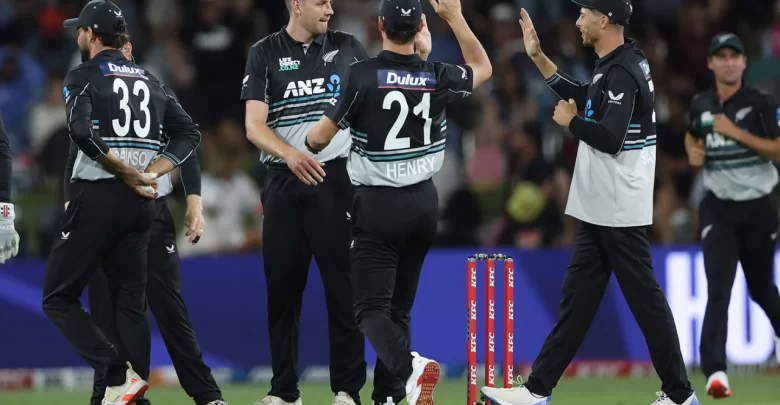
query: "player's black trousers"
300, 222
164, 295
734, 232
392, 232
106, 225
598, 253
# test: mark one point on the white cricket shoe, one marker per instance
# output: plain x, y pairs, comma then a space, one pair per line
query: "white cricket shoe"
718, 385
272, 400
420, 385
342, 398
512, 396
217, 402
664, 400
127, 393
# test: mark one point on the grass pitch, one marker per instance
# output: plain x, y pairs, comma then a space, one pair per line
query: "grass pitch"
754, 390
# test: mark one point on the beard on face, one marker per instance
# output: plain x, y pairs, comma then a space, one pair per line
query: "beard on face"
84, 54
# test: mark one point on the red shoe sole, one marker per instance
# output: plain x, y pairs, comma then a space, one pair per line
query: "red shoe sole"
428, 381
718, 390
139, 394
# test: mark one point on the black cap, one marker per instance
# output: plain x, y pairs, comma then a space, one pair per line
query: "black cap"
619, 11
396, 13
726, 40
104, 17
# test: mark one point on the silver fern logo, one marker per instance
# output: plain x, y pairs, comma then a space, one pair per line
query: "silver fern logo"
328, 57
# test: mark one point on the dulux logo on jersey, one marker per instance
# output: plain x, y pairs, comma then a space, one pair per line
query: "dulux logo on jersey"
399, 79
645, 66
110, 69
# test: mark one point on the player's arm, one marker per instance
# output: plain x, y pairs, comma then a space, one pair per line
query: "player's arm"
608, 134
255, 94
6, 165
767, 145
423, 43
694, 148
191, 181
73, 152
565, 86
473, 52
78, 100
183, 133
337, 116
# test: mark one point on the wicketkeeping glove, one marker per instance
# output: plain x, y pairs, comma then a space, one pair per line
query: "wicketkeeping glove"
9, 238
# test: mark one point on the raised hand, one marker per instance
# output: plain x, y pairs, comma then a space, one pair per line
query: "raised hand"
532, 46
447, 9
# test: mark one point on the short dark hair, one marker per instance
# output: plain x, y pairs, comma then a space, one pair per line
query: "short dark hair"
402, 34
114, 41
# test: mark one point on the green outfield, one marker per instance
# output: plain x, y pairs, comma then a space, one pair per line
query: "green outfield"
757, 390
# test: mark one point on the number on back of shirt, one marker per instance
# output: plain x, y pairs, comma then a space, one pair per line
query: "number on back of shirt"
422, 110
138, 99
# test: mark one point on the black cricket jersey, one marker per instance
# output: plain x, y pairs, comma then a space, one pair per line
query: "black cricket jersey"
731, 170
396, 109
112, 103
614, 174
298, 82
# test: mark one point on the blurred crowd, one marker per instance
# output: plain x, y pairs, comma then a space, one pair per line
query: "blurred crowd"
508, 165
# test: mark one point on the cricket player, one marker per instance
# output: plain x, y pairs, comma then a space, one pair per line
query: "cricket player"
117, 113
612, 197
395, 107
9, 238
290, 78
735, 136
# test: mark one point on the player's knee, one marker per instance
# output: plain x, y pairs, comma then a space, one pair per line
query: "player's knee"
53, 304
765, 295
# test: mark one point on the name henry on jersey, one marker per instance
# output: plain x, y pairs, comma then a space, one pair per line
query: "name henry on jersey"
398, 79
110, 69
415, 167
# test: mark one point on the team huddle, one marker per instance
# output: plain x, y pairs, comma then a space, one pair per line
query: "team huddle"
351, 143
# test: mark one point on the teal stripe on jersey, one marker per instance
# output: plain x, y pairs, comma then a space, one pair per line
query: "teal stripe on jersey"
647, 143
394, 158
729, 148
95, 121
130, 144
289, 123
443, 123
635, 125
324, 96
591, 120
358, 133
754, 161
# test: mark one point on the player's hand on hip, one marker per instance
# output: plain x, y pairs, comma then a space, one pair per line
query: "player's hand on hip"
531, 40
195, 222
423, 41
9, 238
446, 9
308, 169
144, 184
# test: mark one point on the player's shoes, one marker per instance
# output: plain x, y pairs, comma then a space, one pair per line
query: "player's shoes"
777, 348
217, 402
512, 396
127, 393
342, 398
272, 400
718, 385
665, 400
420, 385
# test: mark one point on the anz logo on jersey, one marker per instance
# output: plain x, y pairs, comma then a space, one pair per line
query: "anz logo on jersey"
403, 80
312, 88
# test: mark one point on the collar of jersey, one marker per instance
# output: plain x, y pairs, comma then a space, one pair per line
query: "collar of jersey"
109, 54
743, 90
319, 39
397, 57
628, 45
